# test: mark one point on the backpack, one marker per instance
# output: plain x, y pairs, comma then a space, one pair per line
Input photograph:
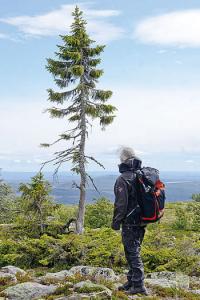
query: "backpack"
151, 198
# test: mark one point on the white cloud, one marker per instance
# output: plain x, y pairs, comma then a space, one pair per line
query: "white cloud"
2, 157
189, 161
3, 36
58, 21
178, 28
178, 62
39, 160
161, 51
18, 161
152, 121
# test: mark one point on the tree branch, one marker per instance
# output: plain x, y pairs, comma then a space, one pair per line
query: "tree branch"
75, 185
96, 161
93, 183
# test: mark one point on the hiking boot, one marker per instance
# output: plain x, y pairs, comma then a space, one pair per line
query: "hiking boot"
137, 290
127, 285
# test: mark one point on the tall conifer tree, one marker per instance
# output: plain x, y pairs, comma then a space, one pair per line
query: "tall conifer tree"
76, 74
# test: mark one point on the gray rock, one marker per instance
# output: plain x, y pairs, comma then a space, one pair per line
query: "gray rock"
104, 295
162, 275
88, 284
105, 274
54, 277
195, 292
76, 296
13, 270
96, 272
182, 280
116, 285
94, 290
162, 282
168, 279
82, 284
28, 291
8, 278
82, 270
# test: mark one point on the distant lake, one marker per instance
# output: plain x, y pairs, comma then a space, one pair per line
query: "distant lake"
179, 185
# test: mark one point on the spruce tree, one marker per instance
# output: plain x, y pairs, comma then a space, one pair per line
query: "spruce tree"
35, 203
76, 74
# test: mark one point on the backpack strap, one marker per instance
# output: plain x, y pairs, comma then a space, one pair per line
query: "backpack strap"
130, 185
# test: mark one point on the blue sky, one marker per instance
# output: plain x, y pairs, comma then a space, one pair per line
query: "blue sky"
151, 64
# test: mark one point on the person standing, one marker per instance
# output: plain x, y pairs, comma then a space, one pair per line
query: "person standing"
127, 215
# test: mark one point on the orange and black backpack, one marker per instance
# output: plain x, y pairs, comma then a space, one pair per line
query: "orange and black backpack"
151, 198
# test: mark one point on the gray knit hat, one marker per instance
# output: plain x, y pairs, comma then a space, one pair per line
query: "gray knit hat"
126, 153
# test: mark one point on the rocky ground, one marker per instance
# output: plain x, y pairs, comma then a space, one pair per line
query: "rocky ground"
85, 282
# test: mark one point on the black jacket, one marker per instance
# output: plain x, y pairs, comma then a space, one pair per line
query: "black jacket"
126, 209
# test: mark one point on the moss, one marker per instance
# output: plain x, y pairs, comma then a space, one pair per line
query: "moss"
40, 271
119, 295
4, 285
174, 293
89, 289
51, 297
63, 290
106, 283
54, 281
150, 298
5, 280
23, 278
194, 285
77, 278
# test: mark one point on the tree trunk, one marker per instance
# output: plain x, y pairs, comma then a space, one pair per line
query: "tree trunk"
81, 207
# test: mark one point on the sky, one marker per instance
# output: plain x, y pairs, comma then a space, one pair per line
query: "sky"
151, 63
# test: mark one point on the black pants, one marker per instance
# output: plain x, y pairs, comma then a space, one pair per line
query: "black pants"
132, 237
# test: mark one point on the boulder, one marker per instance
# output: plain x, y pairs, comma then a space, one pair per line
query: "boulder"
28, 291
76, 296
13, 270
162, 275
82, 270
162, 282
89, 285
96, 272
7, 278
93, 290
168, 279
195, 292
54, 277
105, 274
104, 295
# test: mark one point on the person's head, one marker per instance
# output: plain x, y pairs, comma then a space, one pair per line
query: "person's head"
126, 153
128, 158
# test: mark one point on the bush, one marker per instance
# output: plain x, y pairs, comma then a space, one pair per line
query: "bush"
195, 216
63, 213
7, 203
99, 214
99, 248
35, 203
182, 218
196, 197
163, 249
